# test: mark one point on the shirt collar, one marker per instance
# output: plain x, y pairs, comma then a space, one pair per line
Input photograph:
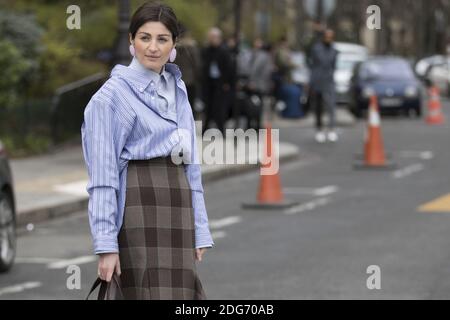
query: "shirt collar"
149, 74
141, 77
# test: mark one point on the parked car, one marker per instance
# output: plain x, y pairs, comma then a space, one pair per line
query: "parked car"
349, 55
435, 70
7, 214
392, 80
351, 48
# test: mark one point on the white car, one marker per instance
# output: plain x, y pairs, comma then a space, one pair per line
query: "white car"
349, 55
300, 74
435, 69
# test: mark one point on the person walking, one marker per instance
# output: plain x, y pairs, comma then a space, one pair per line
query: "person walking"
322, 61
217, 77
146, 205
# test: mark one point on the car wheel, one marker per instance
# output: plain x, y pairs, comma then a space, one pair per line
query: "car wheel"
7, 233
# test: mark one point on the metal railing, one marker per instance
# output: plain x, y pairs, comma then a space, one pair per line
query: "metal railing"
68, 106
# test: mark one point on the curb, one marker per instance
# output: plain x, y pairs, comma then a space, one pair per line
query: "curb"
50, 212
67, 208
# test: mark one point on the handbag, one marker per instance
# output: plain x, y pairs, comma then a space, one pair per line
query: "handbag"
108, 290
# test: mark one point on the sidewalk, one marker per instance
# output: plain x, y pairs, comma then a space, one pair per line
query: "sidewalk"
54, 184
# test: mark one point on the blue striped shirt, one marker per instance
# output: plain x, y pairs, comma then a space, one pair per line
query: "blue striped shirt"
124, 121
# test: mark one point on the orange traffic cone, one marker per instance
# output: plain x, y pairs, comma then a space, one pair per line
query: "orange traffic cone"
270, 194
270, 185
435, 115
374, 155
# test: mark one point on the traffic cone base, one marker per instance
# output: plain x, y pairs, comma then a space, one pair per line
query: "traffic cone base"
387, 165
269, 206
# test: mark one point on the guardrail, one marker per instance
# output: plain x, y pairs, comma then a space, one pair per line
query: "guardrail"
68, 105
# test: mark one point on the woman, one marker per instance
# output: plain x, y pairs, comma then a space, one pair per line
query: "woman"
146, 207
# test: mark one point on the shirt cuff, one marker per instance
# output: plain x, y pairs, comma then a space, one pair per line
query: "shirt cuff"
106, 244
203, 240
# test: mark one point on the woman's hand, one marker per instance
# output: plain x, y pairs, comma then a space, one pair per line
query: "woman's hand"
199, 253
107, 265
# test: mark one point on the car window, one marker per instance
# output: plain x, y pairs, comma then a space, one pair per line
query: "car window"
346, 64
386, 70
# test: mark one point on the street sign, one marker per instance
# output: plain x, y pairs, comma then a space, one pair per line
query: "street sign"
312, 7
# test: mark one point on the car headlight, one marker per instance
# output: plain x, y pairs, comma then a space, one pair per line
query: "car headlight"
368, 92
411, 92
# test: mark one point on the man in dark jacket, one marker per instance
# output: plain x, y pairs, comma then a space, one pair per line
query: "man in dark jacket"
217, 77
322, 61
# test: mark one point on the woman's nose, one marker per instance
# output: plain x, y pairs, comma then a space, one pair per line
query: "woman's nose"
152, 46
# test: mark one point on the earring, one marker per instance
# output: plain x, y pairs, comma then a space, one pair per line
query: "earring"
173, 55
132, 50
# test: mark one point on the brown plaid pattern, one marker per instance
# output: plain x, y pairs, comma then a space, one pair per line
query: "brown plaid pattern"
157, 238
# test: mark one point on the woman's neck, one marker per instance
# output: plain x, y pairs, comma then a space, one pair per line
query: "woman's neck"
137, 65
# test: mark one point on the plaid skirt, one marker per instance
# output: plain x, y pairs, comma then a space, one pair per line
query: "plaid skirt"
157, 238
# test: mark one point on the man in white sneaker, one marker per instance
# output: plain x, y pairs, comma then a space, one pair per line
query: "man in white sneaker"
322, 61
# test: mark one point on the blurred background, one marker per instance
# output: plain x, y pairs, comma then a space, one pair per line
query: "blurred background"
398, 51
40, 55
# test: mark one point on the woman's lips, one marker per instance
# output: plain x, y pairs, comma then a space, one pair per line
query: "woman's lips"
152, 57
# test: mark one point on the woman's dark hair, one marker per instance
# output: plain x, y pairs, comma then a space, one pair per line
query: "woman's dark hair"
155, 11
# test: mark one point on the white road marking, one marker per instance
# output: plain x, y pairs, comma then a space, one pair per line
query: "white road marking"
407, 171
326, 191
77, 188
318, 192
20, 287
61, 264
424, 155
37, 260
220, 223
308, 206
218, 234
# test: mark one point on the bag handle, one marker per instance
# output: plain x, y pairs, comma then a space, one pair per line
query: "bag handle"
97, 282
104, 286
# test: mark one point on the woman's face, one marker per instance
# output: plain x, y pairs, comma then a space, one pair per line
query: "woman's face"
153, 43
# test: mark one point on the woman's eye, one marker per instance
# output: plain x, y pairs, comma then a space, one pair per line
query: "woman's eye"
163, 40
144, 38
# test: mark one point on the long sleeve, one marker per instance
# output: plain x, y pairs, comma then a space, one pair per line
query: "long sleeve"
203, 236
103, 139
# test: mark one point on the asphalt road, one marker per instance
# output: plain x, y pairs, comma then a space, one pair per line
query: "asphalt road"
346, 221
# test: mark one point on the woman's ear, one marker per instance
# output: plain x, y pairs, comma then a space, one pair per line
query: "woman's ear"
130, 38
